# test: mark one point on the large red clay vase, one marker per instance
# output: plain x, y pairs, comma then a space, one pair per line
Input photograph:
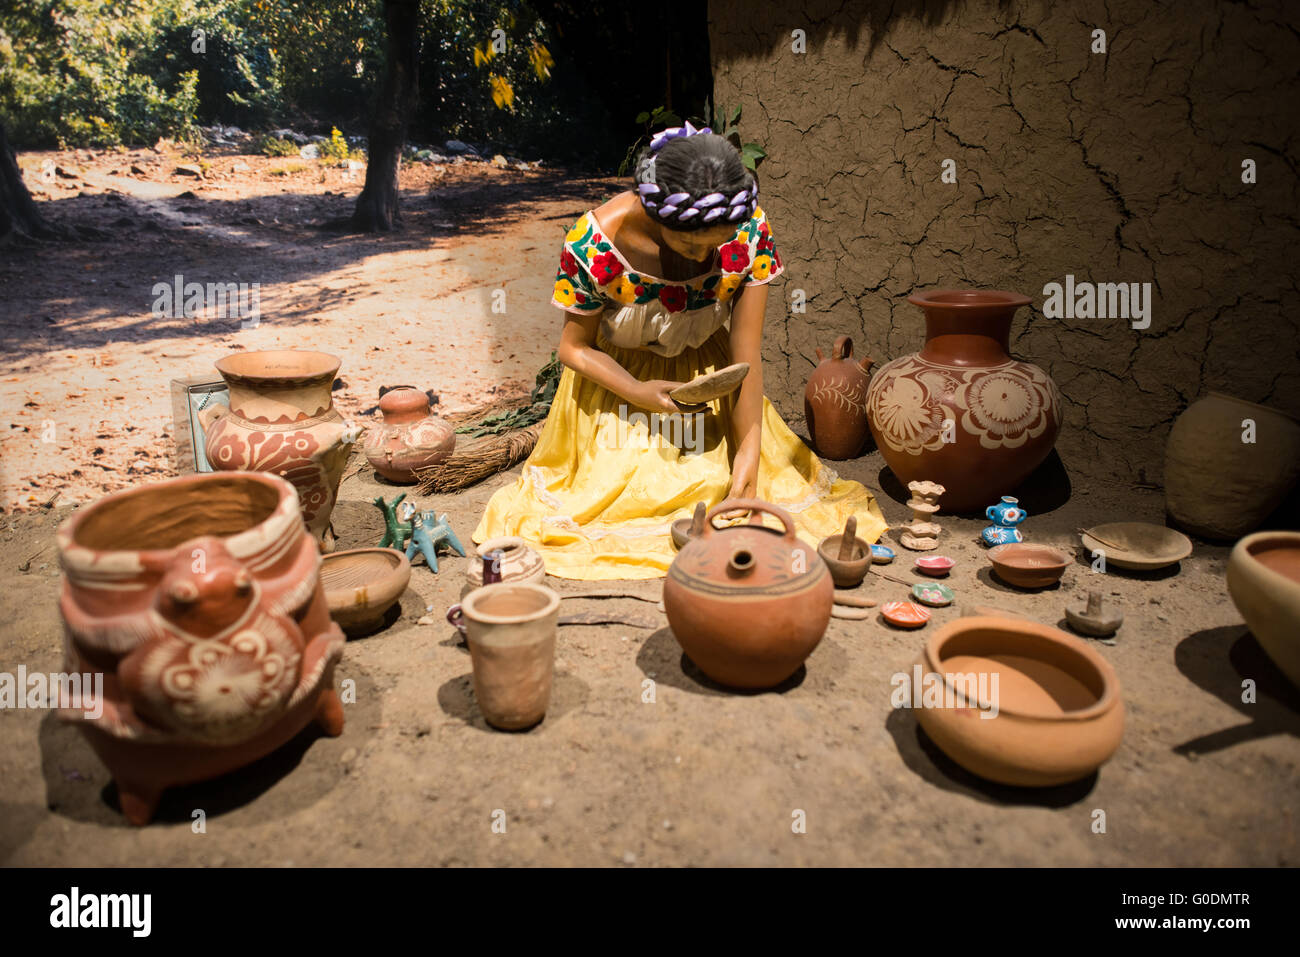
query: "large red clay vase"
962, 412
199, 601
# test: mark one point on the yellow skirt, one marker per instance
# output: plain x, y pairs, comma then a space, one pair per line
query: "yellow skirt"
605, 481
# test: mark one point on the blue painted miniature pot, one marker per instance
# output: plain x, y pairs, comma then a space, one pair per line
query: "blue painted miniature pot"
1007, 512
1001, 535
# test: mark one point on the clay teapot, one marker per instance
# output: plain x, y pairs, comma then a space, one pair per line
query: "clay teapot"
835, 402
411, 437
748, 603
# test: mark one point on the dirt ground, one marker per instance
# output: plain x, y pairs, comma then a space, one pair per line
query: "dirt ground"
699, 776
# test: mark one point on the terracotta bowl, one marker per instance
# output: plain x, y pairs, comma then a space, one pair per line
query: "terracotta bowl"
1026, 565
1139, 546
1264, 582
362, 584
845, 574
1058, 716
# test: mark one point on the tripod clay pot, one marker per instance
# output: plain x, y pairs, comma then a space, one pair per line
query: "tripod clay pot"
282, 420
411, 437
1218, 485
962, 412
199, 601
748, 603
835, 402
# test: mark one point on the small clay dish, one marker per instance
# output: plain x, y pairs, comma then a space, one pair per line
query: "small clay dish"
362, 584
904, 614
1138, 546
882, 554
845, 574
1027, 565
936, 566
711, 385
932, 594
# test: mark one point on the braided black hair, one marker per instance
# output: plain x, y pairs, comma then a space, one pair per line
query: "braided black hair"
695, 181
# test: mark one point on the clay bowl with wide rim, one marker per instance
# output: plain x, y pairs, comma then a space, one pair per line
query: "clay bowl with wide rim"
279, 364
847, 573
1059, 715
360, 585
1029, 565
1264, 583
1142, 546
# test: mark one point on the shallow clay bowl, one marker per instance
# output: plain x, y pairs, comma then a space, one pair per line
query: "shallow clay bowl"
1058, 717
845, 574
362, 584
1140, 546
1026, 565
681, 531
711, 385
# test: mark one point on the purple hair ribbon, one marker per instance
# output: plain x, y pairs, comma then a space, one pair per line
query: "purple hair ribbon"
713, 214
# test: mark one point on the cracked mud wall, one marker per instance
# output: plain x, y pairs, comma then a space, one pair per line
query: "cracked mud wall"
1117, 167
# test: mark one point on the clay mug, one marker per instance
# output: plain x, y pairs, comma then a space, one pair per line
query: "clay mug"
510, 628
1007, 512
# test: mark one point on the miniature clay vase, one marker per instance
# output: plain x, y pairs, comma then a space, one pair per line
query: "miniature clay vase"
1058, 716
835, 402
1005, 516
1228, 464
510, 629
282, 420
748, 604
199, 599
962, 412
1264, 582
411, 437
518, 564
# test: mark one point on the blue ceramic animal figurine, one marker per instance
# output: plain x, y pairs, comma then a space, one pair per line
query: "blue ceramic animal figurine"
427, 535
1006, 515
396, 532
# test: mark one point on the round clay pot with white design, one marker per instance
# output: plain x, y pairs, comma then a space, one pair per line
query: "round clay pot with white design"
835, 402
410, 439
962, 412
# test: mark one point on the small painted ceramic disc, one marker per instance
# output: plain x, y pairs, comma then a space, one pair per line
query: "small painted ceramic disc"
711, 385
882, 554
904, 614
932, 594
935, 565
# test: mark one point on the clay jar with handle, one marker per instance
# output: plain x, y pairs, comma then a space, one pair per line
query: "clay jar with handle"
510, 630
1228, 464
411, 437
282, 420
519, 563
962, 412
835, 402
747, 603
199, 600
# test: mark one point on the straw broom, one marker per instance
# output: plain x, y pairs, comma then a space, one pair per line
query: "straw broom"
485, 457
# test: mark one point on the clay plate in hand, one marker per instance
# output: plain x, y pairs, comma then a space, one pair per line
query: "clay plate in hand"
711, 385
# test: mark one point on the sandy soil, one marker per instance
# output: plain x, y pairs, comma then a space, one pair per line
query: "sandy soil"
700, 776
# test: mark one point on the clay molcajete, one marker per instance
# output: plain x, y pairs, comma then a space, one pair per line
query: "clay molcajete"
684, 529
835, 402
410, 438
1058, 717
962, 412
1228, 464
1264, 582
748, 603
199, 599
362, 584
282, 420
847, 556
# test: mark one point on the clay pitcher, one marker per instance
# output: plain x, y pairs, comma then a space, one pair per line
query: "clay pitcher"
282, 420
962, 412
510, 630
411, 437
747, 603
835, 402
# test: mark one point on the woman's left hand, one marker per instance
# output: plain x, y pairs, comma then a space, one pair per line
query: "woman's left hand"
744, 472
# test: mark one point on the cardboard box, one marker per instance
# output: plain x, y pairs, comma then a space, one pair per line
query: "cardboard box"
191, 395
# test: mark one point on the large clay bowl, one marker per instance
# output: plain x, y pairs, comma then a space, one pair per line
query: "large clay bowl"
1058, 717
1264, 582
1138, 546
362, 584
1028, 565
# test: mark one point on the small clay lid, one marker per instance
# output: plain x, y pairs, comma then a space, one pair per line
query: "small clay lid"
404, 404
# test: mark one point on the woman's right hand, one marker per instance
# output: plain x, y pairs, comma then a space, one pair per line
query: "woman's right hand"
653, 395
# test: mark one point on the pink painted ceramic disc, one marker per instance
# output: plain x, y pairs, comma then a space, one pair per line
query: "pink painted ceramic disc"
904, 614
935, 565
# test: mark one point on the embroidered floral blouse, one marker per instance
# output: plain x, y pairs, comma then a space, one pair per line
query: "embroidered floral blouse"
643, 312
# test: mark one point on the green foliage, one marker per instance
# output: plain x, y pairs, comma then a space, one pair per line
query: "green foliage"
539, 405
336, 150
720, 121
727, 126
651, 122
275, 146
